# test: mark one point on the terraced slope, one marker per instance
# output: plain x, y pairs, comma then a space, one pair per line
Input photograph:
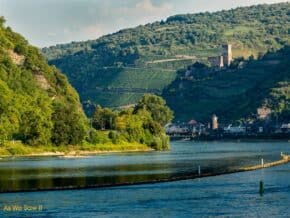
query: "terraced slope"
116, 69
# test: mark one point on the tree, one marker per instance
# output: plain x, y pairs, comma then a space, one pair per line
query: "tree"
156, 105
69, 127
2, 20
104, 118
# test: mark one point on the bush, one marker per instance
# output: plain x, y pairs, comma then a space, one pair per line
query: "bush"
20, 49
93, 137
17, 148
114, 136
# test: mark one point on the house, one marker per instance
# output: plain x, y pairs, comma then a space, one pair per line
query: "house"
235, 129
285, 128
196, 127
176, 129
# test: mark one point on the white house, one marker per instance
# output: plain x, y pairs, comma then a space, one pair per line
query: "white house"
235, 129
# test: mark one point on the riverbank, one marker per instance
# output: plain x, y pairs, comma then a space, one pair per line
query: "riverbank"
17, 149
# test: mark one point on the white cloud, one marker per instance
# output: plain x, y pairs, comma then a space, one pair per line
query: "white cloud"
145, 10
146, 6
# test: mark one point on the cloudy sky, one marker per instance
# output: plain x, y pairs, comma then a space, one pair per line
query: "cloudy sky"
49, 22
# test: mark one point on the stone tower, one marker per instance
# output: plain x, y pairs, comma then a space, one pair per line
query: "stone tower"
214, 124
227, 54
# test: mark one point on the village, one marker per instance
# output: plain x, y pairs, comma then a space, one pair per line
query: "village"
263, 127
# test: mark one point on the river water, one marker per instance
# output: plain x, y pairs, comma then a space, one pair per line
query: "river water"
224, 195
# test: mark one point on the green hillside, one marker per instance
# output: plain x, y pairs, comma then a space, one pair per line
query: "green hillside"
41, 112
37, 104
117, 69
233, 93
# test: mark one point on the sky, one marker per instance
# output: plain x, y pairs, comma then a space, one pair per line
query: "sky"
50, 22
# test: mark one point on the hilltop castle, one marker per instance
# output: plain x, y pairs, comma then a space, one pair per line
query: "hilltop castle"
223, 60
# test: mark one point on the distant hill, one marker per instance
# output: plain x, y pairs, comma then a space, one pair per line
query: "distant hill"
38, 106
234, 93
118, 69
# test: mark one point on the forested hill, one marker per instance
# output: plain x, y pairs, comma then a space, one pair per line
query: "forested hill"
117, 69
234, 93
37, 104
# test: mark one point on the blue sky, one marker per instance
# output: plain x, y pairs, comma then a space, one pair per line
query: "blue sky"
50, 22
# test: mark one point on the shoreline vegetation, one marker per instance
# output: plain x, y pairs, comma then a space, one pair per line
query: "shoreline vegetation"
131, 130
18, 149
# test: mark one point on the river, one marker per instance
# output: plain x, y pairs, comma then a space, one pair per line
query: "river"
224, 195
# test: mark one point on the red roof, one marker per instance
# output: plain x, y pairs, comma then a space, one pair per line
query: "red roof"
192, 122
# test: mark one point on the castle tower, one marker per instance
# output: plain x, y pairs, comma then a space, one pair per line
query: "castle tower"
214, 124
227, 54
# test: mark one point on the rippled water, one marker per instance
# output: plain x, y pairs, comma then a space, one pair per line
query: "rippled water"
225, 195
110, 169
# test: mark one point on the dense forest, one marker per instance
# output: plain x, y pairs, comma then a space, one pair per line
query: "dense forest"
118, 69
38, 107
233, 93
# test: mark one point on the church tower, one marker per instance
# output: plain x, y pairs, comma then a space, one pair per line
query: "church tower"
214, 121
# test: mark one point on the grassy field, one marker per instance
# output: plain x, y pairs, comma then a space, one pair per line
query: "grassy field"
143, 78
114, 99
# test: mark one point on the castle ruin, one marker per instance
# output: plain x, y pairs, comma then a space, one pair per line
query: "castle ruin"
223, 60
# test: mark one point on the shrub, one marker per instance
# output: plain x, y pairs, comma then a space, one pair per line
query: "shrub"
114, 136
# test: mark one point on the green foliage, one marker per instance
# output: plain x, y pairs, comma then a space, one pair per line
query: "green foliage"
39, 108
37, 104
114, 136
20, 49
36, 124
69, 128
233, 93
103, 118
93, 137
157, 107
160, 143
279, 100
119, 68
6, 113
141, 125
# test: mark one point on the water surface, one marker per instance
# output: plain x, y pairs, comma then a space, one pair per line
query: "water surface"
20, 174
231, 195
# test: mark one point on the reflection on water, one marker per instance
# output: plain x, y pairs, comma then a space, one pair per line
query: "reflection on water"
234, 195
128, 168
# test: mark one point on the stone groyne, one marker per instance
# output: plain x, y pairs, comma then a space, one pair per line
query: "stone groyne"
285, 159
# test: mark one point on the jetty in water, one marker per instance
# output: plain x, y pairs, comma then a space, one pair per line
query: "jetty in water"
285, 159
